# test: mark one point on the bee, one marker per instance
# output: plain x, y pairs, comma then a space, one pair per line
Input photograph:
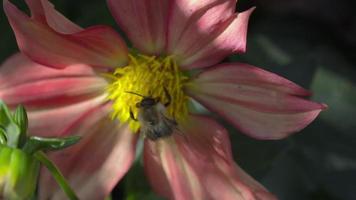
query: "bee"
152, 117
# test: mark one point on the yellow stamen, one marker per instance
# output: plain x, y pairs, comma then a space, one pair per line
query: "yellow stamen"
147, 76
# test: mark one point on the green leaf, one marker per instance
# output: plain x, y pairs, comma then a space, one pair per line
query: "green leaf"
35, 143
57, 175
136, 184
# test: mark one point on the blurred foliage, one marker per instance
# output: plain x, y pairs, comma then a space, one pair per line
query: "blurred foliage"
136, 184
312, 43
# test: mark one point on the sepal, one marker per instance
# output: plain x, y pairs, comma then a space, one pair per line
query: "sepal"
20, 118
11, 130
35, 143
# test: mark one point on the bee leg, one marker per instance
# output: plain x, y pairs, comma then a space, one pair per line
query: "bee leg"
132, 115
168, 97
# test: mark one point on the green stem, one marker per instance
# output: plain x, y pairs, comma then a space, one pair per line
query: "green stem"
56, 174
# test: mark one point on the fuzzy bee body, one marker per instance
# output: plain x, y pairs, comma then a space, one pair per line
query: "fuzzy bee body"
153, 119
154, 123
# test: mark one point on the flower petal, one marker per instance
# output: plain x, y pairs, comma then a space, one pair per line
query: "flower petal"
111, 144
174, 165
25, 82
97, 46
44, 122
44, 11
53, 92
19, 69
144, 22
261, 104
194, 24
231, 40
250, 75
46, 105
202, 33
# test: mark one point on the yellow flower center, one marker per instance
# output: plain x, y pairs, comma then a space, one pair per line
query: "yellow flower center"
148, 76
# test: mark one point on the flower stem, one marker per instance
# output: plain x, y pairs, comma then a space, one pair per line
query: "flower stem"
39, 155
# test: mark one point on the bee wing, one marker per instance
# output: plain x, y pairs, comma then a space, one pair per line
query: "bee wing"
169, 122
172, 124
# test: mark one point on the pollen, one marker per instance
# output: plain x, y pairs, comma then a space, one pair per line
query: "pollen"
148, 76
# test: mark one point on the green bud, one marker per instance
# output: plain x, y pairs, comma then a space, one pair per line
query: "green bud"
18, 174
21, 156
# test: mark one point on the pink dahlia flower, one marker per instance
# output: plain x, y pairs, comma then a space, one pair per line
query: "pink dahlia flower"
80, 81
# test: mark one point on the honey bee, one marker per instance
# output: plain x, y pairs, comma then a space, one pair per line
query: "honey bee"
152, 117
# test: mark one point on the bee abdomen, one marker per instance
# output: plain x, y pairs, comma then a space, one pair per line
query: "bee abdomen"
159, 132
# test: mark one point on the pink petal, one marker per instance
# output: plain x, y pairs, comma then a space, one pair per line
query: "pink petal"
144, 22
194, 24
198, 165
111, 144
53, 92
154, 170
25, 82
261, 104
50, 122
250, 75
18, 69
97, 46
46, 104
44, 11
231, 40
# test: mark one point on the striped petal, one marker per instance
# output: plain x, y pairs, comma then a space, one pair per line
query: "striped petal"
231, 40
111, 144
50, 94
52, 122
194, 24
44, 11
144, 22
259, 103
202, 33
33, 85
198, 165
98, 46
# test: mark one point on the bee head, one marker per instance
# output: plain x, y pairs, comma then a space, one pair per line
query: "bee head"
146, 102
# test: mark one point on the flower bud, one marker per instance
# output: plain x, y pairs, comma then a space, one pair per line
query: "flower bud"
21, 156
18, 174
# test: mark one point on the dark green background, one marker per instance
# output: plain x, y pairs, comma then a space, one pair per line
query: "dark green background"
312, 43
